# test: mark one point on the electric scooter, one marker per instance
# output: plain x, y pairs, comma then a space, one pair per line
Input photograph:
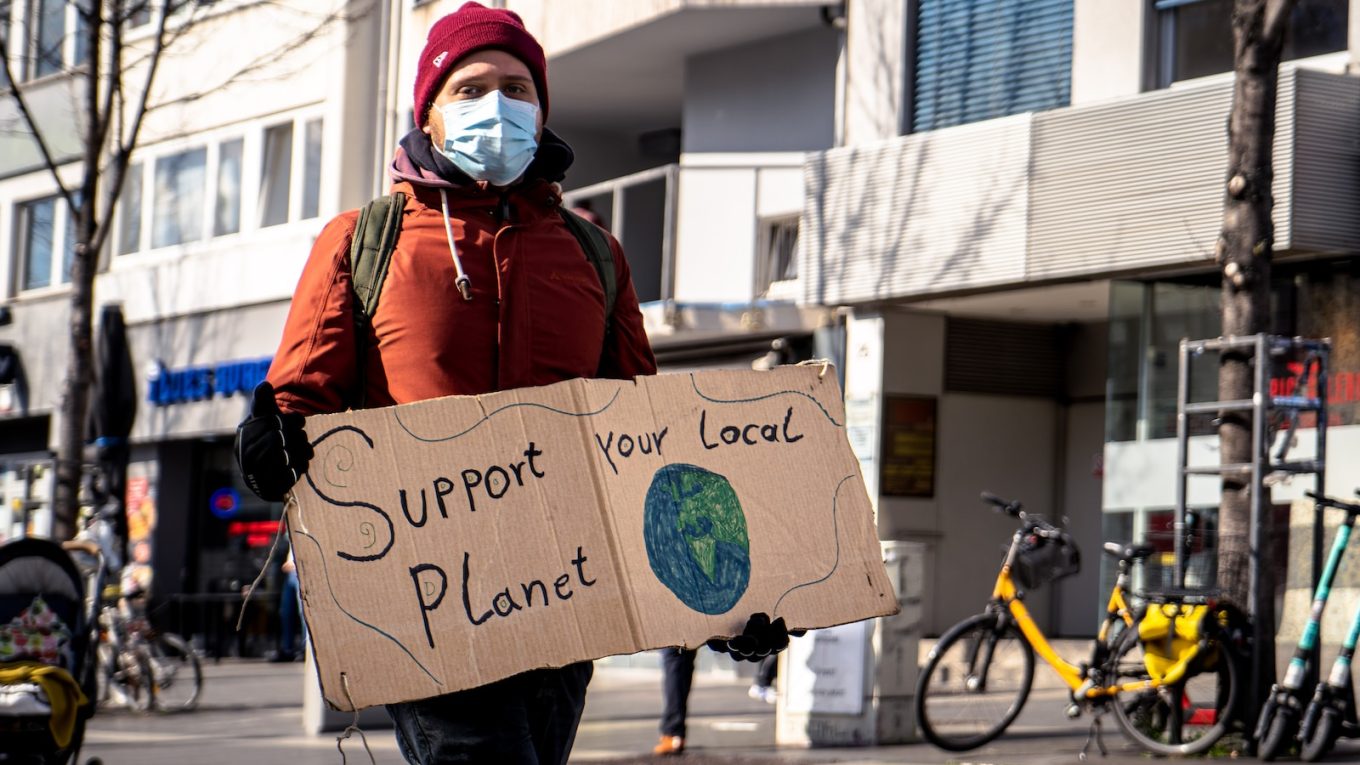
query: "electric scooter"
1331, 713
1282, 711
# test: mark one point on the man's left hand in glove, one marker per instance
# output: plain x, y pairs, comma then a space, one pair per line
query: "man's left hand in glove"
759, 639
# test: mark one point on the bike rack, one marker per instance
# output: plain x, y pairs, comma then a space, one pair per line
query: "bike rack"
1264, 464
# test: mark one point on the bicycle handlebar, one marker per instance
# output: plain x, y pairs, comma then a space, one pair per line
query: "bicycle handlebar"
1032, 523
1325, 501
1008, 507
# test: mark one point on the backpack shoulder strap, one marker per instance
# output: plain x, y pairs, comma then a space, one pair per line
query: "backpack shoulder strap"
370, 253
596, 246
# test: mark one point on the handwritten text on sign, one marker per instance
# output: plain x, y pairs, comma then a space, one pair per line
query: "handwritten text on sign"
447, 544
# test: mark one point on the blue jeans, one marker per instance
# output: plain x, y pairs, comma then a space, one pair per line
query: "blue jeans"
528, 719
290, 616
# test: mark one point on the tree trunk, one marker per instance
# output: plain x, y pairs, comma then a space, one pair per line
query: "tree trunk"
1244, 252
75, 397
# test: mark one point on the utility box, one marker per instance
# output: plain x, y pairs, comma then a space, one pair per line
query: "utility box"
855, 685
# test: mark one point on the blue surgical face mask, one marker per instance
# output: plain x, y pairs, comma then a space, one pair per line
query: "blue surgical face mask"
490, 138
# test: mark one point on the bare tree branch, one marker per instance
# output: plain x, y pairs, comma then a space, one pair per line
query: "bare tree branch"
18, 94
123, 152
1277, 13
272, 57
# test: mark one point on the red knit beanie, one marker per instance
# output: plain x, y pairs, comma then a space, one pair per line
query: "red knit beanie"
471, 28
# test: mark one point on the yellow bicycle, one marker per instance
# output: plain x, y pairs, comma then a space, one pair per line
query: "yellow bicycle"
979, 675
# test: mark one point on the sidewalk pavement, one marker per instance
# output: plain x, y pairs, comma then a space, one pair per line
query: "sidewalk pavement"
251, 712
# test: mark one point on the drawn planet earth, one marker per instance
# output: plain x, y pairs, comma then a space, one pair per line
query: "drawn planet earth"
696, 538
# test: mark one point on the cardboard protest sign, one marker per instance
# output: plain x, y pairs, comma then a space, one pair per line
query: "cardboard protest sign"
449, 543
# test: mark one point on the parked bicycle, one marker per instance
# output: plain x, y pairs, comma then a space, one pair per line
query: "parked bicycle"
138, 666
159, 670
978, 677
1331, 713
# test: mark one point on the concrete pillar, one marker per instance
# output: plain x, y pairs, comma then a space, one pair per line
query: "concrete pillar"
319, 718
855, 685
874, 93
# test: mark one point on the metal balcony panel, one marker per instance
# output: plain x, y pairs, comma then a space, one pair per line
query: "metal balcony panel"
1140, 182
1327, 144
926, 213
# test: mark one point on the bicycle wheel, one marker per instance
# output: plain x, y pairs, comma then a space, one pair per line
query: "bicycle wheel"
176, 673
129, 681
1283, 727
1184, 718
974, 683
1323, 736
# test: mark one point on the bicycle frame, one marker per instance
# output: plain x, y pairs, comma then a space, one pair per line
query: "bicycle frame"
1006, 595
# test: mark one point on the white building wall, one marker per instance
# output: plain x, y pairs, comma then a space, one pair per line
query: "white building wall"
877, 70
1004, 444
772, 95
1110, 49
721, 198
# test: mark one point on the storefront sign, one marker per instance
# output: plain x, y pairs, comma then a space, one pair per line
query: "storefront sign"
908, 447
199, 383
450, 543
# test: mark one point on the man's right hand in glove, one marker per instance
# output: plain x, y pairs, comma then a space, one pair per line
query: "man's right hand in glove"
272, 450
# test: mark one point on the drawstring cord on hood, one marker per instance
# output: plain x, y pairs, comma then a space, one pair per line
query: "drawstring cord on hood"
463, 283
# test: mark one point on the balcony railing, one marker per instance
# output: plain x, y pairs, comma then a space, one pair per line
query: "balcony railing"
639, 210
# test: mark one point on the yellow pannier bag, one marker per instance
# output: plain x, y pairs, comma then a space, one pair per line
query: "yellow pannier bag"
1170, 634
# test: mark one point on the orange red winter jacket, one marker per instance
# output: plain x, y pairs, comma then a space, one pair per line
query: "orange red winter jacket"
536, 315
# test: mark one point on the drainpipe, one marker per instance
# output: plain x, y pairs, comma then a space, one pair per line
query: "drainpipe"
389, 50
834, 16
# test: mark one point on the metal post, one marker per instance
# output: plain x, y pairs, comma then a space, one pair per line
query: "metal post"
1260, 412
616, 223
668, 232
1182, 460
1320, 488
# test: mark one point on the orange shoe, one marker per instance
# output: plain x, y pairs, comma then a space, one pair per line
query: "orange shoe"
670, 745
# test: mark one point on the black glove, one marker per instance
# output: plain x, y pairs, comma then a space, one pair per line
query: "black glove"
272, 450
759, 639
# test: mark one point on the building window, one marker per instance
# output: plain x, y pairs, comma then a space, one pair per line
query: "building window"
981, 59
140, 15
1196, 37
180, 182
276, 174
6, 8
130, 211
46, 232
311, 172
227, 210
49, 35
199, 191
778, 253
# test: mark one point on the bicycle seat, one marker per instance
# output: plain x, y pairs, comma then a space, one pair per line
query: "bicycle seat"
1129, 552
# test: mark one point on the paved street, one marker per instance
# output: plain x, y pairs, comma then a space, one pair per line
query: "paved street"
251, 713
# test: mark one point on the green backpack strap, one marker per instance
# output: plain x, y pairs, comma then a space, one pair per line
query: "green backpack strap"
370, 253
598, 252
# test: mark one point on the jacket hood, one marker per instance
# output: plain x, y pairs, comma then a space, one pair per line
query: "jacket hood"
416, 162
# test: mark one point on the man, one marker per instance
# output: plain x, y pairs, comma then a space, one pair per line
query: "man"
487, 290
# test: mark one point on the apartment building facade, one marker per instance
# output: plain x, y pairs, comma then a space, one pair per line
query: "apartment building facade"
994, 213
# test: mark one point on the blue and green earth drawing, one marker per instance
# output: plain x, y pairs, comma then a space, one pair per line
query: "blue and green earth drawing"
696, 537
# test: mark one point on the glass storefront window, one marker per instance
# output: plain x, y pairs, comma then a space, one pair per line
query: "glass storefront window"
1178, 311
1125, 360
